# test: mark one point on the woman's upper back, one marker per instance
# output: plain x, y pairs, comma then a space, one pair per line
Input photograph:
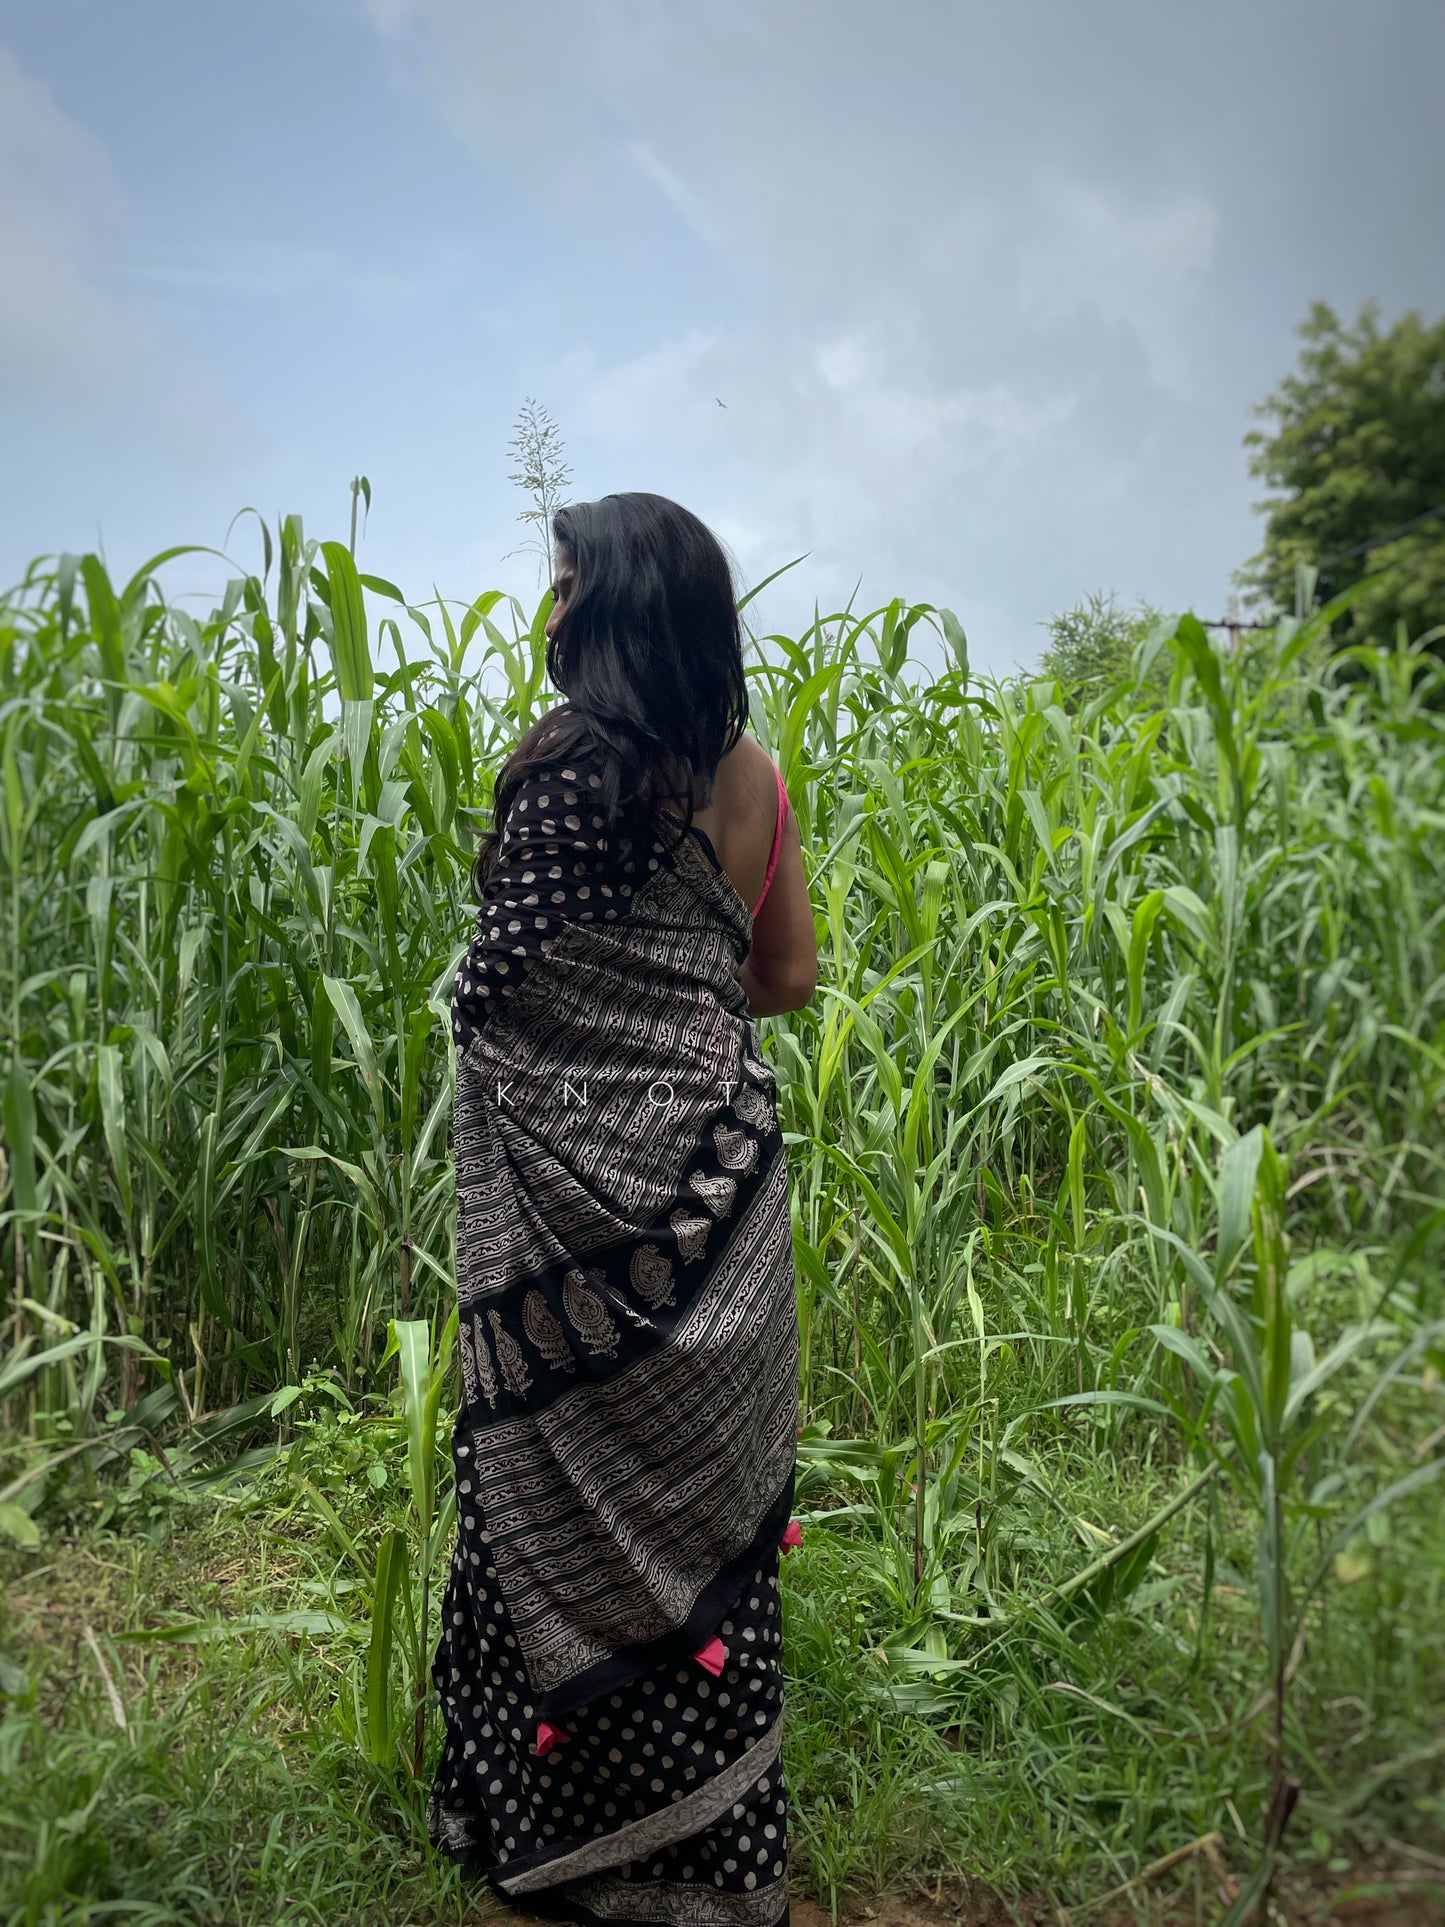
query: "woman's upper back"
740, 817
754, 840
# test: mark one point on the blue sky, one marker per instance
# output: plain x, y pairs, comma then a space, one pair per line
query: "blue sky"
988, 291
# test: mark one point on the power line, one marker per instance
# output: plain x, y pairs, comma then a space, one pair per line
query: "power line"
1236, 627
1375, 541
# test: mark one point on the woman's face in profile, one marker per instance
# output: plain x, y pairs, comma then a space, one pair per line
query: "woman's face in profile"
564, 583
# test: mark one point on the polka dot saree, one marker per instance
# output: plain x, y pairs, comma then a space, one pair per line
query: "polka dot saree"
609, 1669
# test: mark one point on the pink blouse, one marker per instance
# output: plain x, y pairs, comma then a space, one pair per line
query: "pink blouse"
777, 836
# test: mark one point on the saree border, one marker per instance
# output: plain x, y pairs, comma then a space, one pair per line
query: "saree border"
660, 1828
675, 1904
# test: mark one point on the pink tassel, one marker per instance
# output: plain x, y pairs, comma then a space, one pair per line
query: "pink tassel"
793, 1536
547, 1738
712, 1657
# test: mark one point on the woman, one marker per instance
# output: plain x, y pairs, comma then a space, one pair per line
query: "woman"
610, 1667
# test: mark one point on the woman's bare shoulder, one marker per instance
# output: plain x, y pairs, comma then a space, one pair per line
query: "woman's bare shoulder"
743, 778
750, 746
747, 755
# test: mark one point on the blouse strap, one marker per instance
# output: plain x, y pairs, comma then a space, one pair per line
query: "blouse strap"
777, 837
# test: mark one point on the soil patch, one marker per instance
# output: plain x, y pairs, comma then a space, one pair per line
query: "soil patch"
1366, 1897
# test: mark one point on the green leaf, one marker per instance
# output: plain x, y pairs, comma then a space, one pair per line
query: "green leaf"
350, 651
348, 1009
391, 1577
1019, 1073
110, 1066
205, 1193
1133, 1401
957, 641
413, 1344
20, 1136
19, 1526
758, 587
184, 1631
1141, 930
23, 1363
1078, 1142
1237, 1170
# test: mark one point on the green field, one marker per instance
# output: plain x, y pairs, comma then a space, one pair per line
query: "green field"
1115, 1137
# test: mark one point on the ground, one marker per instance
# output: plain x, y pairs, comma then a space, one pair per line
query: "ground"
143, 1770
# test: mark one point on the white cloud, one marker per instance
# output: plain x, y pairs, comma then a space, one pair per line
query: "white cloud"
843, 363
854, 411
824, 446
1137, 265
56, 193
70, 336
959, 285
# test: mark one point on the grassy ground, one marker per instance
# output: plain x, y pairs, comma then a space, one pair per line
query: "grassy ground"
212, 1779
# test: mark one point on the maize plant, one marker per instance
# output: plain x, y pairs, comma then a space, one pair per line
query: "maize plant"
1124, 1073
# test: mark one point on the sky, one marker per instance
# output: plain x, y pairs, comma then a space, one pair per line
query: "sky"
965, 303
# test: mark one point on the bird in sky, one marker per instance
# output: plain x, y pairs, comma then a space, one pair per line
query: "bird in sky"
720, 402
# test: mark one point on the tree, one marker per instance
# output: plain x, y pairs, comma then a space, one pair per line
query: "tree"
1355, 456
537, 447
1092, 646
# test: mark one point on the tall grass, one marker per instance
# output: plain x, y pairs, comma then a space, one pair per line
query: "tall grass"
1114, 1125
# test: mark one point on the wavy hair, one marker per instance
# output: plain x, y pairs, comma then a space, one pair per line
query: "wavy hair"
649, 659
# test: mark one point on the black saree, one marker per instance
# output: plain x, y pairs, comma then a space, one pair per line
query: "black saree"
610, 1662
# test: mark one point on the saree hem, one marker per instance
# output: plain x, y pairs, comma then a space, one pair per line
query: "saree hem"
692, 1908
640, 1838
557, 1904
702, 1908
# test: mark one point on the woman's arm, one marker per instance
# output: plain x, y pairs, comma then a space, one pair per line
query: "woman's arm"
781, 970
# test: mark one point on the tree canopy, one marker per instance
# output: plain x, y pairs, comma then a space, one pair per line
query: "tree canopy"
1355, 450
1091, 646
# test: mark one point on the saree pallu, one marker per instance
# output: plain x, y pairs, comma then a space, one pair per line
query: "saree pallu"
609, 1670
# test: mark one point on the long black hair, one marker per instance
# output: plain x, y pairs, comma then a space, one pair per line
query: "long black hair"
649, 658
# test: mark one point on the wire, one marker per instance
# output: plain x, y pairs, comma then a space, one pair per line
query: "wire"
1375, 540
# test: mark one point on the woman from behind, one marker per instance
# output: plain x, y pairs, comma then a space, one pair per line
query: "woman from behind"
610, 1663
